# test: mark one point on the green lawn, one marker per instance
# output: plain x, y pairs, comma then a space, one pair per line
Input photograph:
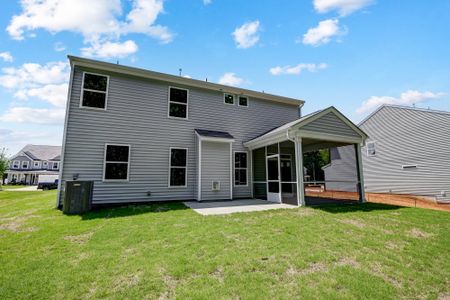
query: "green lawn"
10, 187
167, 251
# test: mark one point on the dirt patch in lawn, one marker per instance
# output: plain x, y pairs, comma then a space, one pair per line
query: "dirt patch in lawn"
126, 281
17, 224
353, 222
80, 239
170, 283
417, 233
218, 274
377, 270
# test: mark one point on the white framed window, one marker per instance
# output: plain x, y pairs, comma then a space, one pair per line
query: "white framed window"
178, 158
228, 99
36, 164
243, 101
45, 164
178, 103
116, 166
55, 165
25, 164
371, 151
16, 164
240, 168
94, 91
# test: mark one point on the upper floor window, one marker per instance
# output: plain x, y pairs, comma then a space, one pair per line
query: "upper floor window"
243, 101
55, 165
94, 91
25, 164
240, 168
228, 99
371, 149
16, 164
44, 164
178, 167
36, 164
178, 103
117, 161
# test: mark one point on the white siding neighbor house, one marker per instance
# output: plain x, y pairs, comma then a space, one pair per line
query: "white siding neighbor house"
32, 161
143, 136
407, 152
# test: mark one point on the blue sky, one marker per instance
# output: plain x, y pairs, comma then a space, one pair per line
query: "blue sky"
353, 54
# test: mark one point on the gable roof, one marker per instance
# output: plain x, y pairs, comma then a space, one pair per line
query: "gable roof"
41, 152
424, 110
105, 66
303, 121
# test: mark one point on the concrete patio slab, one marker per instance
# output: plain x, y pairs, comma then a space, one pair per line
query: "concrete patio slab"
235, 206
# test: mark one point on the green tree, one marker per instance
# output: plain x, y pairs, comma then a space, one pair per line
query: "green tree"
4, 163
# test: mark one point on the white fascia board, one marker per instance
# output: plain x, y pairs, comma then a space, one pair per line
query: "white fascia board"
266, 140
328, 137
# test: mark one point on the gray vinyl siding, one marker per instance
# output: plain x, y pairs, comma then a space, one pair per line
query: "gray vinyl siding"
331, 124
406, 136
137, 115
215, 167
342, 174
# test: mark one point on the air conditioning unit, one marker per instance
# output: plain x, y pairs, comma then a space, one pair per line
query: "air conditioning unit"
216, 185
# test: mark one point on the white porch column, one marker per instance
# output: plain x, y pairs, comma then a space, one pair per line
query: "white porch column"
359, 166
299, 171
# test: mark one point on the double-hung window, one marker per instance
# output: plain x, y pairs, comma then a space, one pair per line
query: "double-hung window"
25, 164
16, 164
371, 149
117, 162
94, 91
178, 167
178, 103
240, 168
36, 164
55, 165
228, 99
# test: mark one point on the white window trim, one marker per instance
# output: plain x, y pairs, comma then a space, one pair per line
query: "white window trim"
36, 164
14, 164
228, 94
90, 90
243, 96
118, 162
212, 185
28, 164
187, 104
170, 167
367, 148
45, 164
234, 168
55, 163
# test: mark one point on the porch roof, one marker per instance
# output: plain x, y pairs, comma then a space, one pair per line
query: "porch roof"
292, 129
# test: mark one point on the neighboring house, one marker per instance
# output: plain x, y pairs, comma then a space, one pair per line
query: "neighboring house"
408, 152
32, 161
145, 136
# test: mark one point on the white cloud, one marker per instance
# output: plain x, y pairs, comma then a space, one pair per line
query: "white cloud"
296, 70
14, 140
110, 49
6, 56
246, 36
323, 33
34, 75
206, 2
344, 7
407, 98
98, 21
59, 47
231, 79
33, 115
55, 94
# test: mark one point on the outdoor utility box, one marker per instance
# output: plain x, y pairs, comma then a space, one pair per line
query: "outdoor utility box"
78, 197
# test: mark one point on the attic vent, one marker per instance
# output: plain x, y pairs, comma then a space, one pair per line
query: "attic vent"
216, 185
409, 167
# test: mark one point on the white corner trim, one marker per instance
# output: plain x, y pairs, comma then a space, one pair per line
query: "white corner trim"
199, 183
231, 171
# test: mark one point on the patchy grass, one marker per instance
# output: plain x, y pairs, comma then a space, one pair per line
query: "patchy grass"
167, 251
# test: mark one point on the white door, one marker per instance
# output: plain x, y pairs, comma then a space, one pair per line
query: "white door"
273, 179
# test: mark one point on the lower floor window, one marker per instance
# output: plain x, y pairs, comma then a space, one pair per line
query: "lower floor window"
240, 168
178, 167
117, 161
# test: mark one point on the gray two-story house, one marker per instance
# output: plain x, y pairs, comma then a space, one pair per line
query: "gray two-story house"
143, 136
408, 152
32, 161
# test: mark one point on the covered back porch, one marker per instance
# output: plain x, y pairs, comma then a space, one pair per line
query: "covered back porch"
284, 161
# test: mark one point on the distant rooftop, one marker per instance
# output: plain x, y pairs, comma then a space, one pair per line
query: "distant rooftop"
41, 152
